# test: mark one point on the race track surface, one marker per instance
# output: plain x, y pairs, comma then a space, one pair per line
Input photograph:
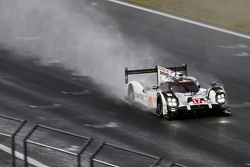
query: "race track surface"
53, 96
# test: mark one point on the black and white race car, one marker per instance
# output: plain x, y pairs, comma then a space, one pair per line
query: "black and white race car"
175, 93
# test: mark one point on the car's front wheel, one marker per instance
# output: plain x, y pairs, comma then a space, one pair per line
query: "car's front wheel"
159, 109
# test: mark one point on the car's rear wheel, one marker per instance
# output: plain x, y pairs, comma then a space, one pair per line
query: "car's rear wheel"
131, 94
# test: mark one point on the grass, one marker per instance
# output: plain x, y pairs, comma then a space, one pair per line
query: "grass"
229, 14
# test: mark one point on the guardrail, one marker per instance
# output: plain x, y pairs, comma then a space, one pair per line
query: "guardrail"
13, 135
94, 160
26, 141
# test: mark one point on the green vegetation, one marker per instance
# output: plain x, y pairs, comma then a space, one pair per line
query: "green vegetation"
229, 14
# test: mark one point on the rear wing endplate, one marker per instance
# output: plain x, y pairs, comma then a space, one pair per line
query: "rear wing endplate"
128, 72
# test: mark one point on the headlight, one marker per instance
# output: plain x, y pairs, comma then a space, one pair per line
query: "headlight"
172, 102
221, 98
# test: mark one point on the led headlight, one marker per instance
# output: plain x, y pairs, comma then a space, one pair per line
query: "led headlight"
172, 102
221, 98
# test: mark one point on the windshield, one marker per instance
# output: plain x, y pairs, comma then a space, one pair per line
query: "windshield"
184, 87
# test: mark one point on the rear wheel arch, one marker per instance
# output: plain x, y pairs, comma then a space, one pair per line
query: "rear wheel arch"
131, 93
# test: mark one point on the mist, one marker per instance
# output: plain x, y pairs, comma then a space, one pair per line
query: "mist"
75, 34
80, 37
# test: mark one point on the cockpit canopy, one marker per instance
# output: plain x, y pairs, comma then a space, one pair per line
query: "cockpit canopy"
180, 86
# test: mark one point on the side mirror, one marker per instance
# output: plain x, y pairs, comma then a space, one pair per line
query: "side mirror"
212, 84
155, 87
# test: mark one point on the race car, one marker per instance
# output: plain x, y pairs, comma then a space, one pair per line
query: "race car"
175, 93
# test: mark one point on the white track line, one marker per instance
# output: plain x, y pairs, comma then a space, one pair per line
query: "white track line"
181, 19
21, 156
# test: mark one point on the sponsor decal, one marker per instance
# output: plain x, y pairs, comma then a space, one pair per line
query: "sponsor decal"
198, 100
165, 71
150, 101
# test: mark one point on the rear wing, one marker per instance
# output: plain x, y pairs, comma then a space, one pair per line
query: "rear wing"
158, 69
